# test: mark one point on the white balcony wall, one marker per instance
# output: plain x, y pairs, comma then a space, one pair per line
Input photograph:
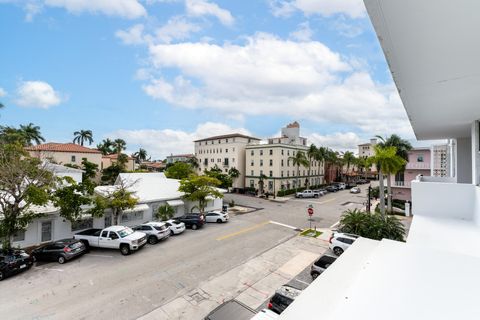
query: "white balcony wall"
464, 160
475, 153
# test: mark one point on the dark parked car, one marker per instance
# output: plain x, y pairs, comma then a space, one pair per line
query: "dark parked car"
231, 310
332, 188
321, 265
14, 261
60, 251
193, 220
351, 185
282, 298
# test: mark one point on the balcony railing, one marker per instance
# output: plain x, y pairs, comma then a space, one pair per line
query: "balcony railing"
404, 184
418, 165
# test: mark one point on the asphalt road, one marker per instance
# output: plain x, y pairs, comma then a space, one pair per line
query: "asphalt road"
104, 283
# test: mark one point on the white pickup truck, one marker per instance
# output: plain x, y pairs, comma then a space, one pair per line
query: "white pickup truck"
114, 237
307, 194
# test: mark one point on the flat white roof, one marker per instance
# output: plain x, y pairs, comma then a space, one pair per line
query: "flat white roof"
432, 49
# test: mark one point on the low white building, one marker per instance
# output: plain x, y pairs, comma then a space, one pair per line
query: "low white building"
151, 189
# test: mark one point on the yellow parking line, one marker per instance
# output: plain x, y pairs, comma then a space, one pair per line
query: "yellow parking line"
243, 231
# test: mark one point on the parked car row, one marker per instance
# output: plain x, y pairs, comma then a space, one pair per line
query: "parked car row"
122, 238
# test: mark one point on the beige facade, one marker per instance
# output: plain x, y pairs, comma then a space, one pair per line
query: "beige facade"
66, 153
367, 150
111, 159
225, 152
273, 161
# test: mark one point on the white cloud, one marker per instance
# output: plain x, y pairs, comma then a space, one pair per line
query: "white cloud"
177, 28
303, 33
3, 93
37, 94
132, 36
270, 76
160, 143
325, 8
198, 8
341, 141
130, 9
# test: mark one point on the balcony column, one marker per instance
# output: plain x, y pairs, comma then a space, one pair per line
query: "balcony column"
475, 153
464, 160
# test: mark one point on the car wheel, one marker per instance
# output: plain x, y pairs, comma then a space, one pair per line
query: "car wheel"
315, 196
125, 249
315, 275
86, 244
34, 258
152, 240
171, 232
1, 276
61, 259
219, 220
338, 251
194, 227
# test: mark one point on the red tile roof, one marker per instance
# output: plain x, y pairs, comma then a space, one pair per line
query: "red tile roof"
115, 156
233, 135
181, 156
62, 147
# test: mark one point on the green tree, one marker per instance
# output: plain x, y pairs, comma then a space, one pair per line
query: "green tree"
32, 134
217, 173
320, 157
373, 226
106, 146
179, 170
385, 159
299, 159
261, 183
194, 162
119, 145
165, 212
118, 199
199, 189
90, 170
140, 155
24, 182
234, 173
82, 136
311, 153
348, 159
71, 199
11, 135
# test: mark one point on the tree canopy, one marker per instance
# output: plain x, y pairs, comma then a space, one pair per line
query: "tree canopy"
83, 136
199, 189
179, 170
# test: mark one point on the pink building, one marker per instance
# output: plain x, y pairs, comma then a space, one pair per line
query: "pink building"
419, 162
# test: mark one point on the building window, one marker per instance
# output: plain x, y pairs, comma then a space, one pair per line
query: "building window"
420, 158
212, 160
226, 150
288, 152
226, 162
137, 215
282, 152
226, 140
19, 235
233, 160
73, 159
252, 153
288, 173
271, 152
219, 160
261, 152
261, 162
252, 183
281, 174
261, 172
252, 163
270, 173
271, 162
252, 173
46, 231
282, 162
82, 224
219, 141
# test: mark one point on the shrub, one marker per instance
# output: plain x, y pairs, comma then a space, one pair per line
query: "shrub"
372, 226
231, 204
165, 212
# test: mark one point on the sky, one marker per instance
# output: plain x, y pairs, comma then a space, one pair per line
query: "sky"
162, 73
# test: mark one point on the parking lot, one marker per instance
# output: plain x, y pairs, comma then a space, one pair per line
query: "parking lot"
105, 283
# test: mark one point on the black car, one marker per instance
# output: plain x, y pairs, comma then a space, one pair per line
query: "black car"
193, 220
60, 251
350, 185
321, 265
282, 298
14, 261
332, 188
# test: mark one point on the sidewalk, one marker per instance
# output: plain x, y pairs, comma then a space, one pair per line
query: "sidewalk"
251, 283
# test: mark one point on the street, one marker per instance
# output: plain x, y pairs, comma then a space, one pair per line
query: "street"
103, 283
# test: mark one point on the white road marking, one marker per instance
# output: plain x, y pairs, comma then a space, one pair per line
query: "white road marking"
334, 225
283, 225
301, 281
99, 255
49, 269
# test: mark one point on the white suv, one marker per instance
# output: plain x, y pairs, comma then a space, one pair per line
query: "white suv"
339, 242
216, 216
155, 231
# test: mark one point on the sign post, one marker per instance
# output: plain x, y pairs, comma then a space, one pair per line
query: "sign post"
310, 214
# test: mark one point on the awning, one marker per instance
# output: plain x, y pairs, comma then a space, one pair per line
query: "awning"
138, 207
175, 203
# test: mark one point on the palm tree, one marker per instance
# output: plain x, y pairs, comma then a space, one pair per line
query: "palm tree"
312, 151
105, 146
119, 145
83, 135
140, 155
387, 161
299, 159
31, 133
348, 158
320, 156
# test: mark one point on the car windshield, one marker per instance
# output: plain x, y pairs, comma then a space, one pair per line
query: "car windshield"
125, 232
160, 228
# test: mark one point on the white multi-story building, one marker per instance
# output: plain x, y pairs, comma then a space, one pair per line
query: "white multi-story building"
432, 50
272, 161
366, 150
225, 152
179, 158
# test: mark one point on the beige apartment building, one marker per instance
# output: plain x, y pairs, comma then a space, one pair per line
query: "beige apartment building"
225, 152
110, 159
65, 153
273, 160
366, 150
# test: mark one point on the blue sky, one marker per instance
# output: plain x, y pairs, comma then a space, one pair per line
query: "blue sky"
160, 73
